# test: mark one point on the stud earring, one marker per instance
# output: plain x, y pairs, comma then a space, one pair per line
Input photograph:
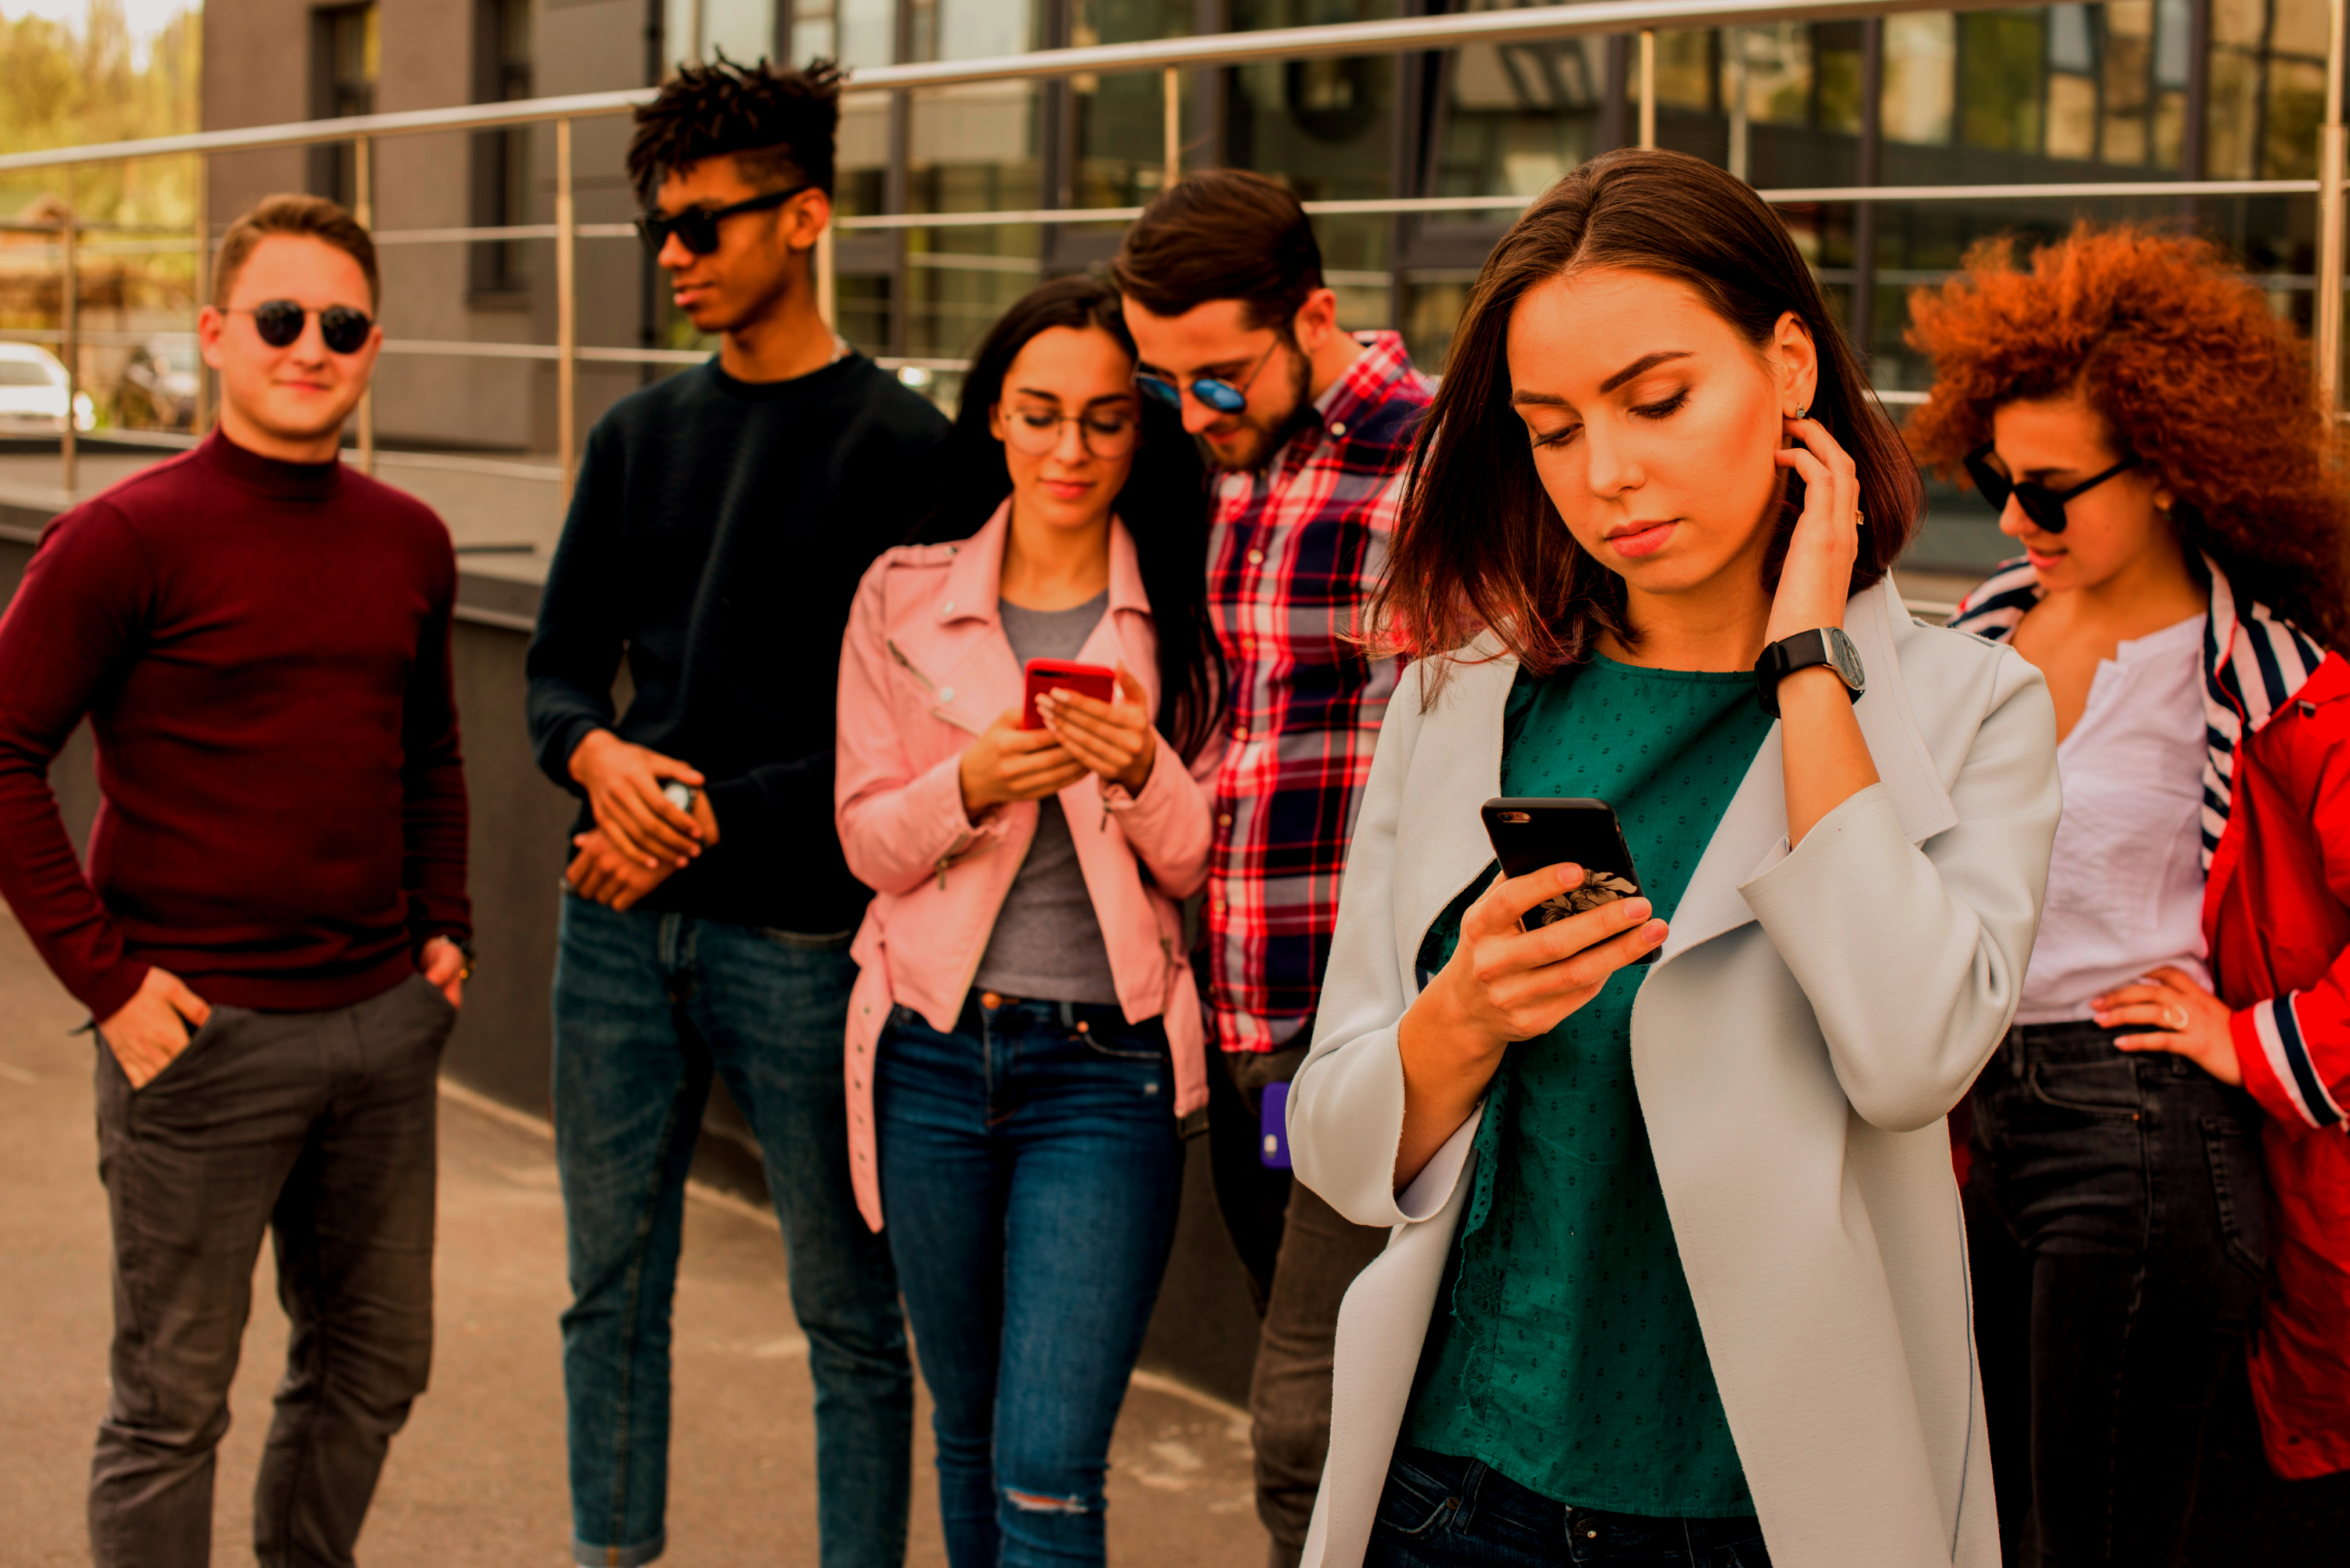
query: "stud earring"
1799, 410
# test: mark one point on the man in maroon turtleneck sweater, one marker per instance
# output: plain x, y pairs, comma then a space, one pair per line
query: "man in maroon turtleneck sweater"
271, 933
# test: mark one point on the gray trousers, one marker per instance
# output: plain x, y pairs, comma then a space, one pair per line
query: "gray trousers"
1289, 1397
319, 1128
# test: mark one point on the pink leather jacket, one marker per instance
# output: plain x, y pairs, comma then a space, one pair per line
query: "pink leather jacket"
924, 669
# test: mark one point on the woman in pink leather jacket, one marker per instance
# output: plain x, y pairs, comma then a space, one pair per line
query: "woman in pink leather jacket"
1024, 1037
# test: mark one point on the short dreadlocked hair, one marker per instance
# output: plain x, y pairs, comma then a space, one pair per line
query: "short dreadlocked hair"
779, 124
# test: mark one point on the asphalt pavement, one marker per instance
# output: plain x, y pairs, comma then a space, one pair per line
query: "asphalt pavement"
477, 1479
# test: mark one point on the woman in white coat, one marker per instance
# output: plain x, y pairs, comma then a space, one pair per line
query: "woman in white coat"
1678, 1274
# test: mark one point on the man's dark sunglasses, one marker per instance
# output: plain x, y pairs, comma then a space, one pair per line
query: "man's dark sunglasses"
2042, 505
279, 322
696, 228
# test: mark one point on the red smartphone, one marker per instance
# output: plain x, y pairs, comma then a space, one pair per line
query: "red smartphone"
1049, 674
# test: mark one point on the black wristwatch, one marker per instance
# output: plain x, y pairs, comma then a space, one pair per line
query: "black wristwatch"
1825, 645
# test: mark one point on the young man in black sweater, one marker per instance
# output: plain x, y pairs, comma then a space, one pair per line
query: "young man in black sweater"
721, 520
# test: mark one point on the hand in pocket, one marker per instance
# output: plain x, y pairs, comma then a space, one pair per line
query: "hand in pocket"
148, 1032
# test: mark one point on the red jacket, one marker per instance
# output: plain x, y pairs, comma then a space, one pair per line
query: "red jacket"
2276, 913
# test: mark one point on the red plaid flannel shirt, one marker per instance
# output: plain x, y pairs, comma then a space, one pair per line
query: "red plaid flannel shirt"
1293, 550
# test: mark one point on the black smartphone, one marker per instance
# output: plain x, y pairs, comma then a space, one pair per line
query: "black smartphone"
1530, 832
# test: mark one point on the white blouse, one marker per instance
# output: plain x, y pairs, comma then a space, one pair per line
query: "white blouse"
2126, 877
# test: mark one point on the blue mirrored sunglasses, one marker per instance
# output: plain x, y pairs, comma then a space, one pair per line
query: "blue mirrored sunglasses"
1220, 396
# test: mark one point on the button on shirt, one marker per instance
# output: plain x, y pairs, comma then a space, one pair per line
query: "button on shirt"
2125, 874
1293, 551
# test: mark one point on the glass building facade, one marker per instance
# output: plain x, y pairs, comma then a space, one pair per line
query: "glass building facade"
2127, 90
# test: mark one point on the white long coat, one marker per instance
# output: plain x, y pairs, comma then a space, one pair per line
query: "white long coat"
1813, 1018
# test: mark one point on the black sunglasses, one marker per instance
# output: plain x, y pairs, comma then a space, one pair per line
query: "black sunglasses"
696, 228
2042, 505
279, 322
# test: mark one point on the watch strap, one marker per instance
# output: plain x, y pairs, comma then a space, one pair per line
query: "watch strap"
1789, 654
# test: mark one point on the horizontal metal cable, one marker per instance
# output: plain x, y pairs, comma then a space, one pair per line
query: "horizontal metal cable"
1452, 30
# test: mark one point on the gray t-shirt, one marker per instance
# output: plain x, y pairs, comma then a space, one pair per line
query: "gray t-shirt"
1048, 944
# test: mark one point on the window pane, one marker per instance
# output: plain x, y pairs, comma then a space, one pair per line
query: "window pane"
1778, 61
2239, 21
868, 33
2234, 109
2000, 90
744, 30
2299, 28
1323, 126
1121, 125
2072, 117
1684, 71
2296, 108
1517, 116
1920, 53
2069, 39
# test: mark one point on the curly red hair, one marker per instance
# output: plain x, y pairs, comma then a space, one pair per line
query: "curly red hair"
2180, 356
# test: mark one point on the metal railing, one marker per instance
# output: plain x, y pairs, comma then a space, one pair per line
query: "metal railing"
1169, 56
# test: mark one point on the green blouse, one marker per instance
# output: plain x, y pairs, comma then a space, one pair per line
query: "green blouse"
1570, 1360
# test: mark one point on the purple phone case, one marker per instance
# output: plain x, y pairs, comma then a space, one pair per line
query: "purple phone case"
1272, 1127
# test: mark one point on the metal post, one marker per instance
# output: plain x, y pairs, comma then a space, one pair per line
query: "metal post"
363, 188
566, 311
1741, 132
2329, 224
70, 301
1863, 325
203, 289
1647, 86
827, 280
1172, 89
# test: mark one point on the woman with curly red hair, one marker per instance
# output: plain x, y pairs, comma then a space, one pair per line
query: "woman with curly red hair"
2146, 428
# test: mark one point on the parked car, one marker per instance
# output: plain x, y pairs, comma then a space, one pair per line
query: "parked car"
33, 392
159, 387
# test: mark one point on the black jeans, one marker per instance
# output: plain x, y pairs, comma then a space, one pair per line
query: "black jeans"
2118, 1234
1437, 1512
319, 1128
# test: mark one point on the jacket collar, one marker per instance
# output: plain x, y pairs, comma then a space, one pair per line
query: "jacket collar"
974, 582
1457, 770
2255, 665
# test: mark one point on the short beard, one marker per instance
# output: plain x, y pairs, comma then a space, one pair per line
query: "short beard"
1272, 437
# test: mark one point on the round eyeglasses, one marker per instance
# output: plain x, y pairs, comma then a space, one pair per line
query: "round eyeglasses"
1105, 432
1220, 396
2045, 506
280, 322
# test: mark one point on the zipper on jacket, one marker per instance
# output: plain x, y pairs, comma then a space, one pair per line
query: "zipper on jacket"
906, 665
938, 710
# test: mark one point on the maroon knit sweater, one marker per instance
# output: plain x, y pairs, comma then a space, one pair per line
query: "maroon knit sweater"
262, 649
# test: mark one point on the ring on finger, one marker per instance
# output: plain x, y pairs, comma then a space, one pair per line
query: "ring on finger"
2174, 1017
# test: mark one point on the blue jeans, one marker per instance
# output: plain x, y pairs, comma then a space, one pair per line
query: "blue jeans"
1029, 1175
1443, 1512
647, 1004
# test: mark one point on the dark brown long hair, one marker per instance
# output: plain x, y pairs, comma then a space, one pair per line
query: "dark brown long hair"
1478, 544
2179, 353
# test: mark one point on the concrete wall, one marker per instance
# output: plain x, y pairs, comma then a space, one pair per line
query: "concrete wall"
1204, 1332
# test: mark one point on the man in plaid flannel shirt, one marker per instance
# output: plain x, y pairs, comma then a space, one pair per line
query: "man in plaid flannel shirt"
1311, 427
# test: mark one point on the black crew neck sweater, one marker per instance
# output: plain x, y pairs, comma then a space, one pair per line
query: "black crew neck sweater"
715, 539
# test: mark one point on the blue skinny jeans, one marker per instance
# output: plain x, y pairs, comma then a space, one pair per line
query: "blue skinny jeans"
647, 1005
1029, 1169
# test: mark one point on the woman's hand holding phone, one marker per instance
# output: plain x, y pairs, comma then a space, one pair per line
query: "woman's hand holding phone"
1009, 763
1111, 739
1505, 984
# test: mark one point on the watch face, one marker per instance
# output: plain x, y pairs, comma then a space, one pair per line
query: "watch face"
1846, 659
